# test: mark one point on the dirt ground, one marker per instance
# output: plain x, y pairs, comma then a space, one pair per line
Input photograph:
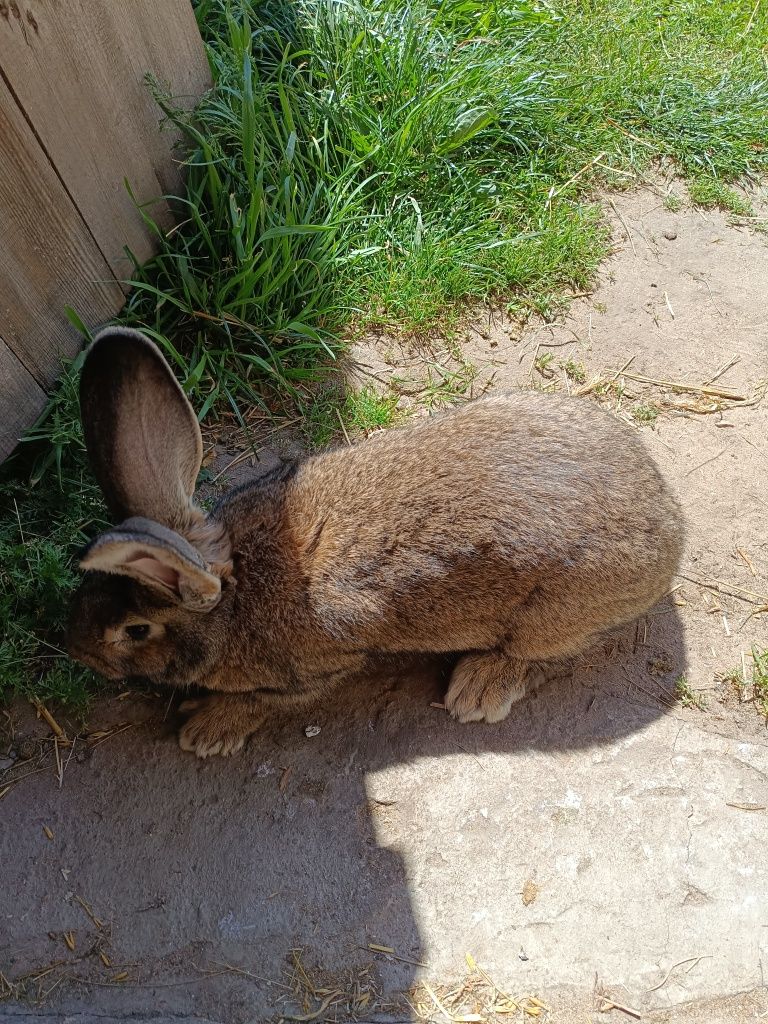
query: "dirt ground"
600, 855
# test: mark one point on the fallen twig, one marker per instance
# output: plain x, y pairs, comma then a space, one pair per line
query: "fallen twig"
692, 960
611, 1004
43, 712
343, 429
316, 1013
431, 993
102, 737
746, 560
624, 225
706, 462
692, 389
724, 368
729, 589
386, 951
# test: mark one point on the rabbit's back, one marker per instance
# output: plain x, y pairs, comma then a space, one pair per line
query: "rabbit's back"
498, 458
461, 528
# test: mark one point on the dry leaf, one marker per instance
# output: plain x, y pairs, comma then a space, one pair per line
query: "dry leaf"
530, 892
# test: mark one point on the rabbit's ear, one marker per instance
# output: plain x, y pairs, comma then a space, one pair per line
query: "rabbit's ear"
157, 557
142, 435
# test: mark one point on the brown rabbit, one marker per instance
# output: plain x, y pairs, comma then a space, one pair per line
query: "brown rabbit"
512, 530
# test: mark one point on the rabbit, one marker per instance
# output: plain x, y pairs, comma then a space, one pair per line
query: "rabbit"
510, 531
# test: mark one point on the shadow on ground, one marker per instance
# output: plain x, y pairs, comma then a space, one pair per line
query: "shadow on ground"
211, 882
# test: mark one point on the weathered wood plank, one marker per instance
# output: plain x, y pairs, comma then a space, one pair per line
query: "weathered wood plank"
22, 400
48, 258
77, 69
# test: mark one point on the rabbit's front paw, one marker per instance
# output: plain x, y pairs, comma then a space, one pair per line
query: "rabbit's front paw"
218, 725
484, 687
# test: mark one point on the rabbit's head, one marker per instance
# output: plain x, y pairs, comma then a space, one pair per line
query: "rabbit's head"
153, 582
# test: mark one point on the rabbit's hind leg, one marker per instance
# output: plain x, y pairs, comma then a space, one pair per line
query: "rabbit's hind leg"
485, 685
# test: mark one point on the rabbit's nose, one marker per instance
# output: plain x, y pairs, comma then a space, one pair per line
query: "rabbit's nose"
91, 660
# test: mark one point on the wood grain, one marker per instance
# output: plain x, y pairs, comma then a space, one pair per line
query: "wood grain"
23, 400
48, 258
76, 120
77, 70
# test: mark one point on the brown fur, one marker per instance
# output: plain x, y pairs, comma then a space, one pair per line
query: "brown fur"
513, 530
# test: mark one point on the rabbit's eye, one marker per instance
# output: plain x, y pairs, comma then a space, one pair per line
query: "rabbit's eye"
139, 631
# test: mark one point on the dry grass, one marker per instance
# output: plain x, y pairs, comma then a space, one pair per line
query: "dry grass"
477, 998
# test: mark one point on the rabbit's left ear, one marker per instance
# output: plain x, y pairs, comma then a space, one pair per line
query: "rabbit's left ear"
142, 435
157, 557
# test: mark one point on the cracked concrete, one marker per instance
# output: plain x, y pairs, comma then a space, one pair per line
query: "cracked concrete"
604, 836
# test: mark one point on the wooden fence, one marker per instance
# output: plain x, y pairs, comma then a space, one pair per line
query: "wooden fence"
76, 120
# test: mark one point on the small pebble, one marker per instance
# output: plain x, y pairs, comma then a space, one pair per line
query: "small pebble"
5, 763
523, 955
312, 730
670, 235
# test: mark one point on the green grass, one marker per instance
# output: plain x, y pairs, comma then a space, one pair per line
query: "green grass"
645, 412
711, 193
752, 685
380, 163
760, 680
40, 529
687, 696
543, 364
574, 371
354, 415
375, 163
673, 202
367, 411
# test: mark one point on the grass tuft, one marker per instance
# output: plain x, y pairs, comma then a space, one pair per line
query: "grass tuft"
760, 680
574, 371
645, 412
673, 202
751, 685
711, 193
41, 528
331, 417
367, 411
687, 696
